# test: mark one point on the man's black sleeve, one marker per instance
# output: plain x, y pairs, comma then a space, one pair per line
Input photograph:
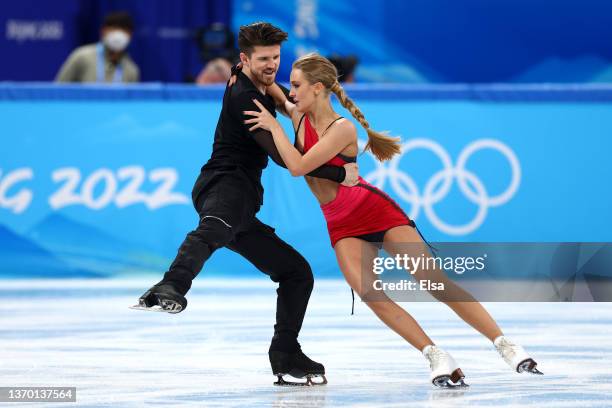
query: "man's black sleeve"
266, 141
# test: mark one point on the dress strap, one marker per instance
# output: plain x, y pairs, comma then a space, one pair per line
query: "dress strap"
300, 124
330, 125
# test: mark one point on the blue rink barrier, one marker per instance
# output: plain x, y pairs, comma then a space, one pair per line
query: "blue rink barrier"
96, 181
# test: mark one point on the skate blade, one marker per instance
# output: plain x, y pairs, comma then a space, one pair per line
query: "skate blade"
455, 380
308, 383
155, 308
529, 366
167, 306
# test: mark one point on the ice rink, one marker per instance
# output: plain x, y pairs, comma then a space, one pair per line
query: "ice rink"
82, 334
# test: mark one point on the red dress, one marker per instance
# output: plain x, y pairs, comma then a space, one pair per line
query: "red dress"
359, 210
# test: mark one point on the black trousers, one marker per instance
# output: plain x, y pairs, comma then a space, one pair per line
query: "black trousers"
227, 219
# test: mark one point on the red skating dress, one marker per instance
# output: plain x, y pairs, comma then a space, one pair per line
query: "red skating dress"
359, 210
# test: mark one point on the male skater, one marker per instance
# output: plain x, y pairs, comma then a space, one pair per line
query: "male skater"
228, 194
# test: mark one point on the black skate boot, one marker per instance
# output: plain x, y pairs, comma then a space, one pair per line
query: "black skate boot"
163, 297
297, 365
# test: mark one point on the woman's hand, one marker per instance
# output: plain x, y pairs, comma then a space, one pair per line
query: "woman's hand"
234, 77
262, 119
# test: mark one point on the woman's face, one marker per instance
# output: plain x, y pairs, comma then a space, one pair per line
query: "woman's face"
302, 92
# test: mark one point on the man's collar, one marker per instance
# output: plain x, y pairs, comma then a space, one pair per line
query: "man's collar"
250, 82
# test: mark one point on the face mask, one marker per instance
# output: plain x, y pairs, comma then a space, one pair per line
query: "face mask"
116, 40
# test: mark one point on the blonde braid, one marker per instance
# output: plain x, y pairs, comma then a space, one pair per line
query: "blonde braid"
381, 145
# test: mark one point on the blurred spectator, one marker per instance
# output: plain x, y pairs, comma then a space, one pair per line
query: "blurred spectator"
217, 41
106, 61
218, 52
346, 66
216, 71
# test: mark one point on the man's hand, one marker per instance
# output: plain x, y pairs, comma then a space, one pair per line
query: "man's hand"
352, 175
235, 70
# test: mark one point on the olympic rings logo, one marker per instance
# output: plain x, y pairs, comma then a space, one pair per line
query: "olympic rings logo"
469, 184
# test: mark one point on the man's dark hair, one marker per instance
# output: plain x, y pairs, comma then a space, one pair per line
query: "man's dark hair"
119, 19
259, 33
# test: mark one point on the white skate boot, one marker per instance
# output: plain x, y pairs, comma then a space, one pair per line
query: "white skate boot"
444, 370
516, 357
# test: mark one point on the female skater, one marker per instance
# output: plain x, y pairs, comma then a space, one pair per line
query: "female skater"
362, 215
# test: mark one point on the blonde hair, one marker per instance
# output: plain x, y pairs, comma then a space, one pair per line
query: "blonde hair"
319, 69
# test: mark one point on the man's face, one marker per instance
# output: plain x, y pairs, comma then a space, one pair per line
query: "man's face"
263, 63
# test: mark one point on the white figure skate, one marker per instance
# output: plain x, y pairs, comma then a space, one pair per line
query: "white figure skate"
444, 370
516, 357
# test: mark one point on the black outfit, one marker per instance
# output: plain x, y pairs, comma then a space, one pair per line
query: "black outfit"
227, 195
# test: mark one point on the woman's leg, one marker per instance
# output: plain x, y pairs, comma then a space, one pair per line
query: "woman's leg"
470, 310
355, 258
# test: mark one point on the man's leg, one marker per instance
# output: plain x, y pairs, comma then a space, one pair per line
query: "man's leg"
222, 209
274, 257
271, 255
212, 233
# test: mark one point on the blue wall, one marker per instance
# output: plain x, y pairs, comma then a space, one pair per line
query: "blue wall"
448, 40
536, 168
397, 40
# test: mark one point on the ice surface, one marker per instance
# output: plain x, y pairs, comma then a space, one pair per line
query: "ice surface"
82, 334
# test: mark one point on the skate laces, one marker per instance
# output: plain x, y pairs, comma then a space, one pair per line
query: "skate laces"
506, 348
435, 356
